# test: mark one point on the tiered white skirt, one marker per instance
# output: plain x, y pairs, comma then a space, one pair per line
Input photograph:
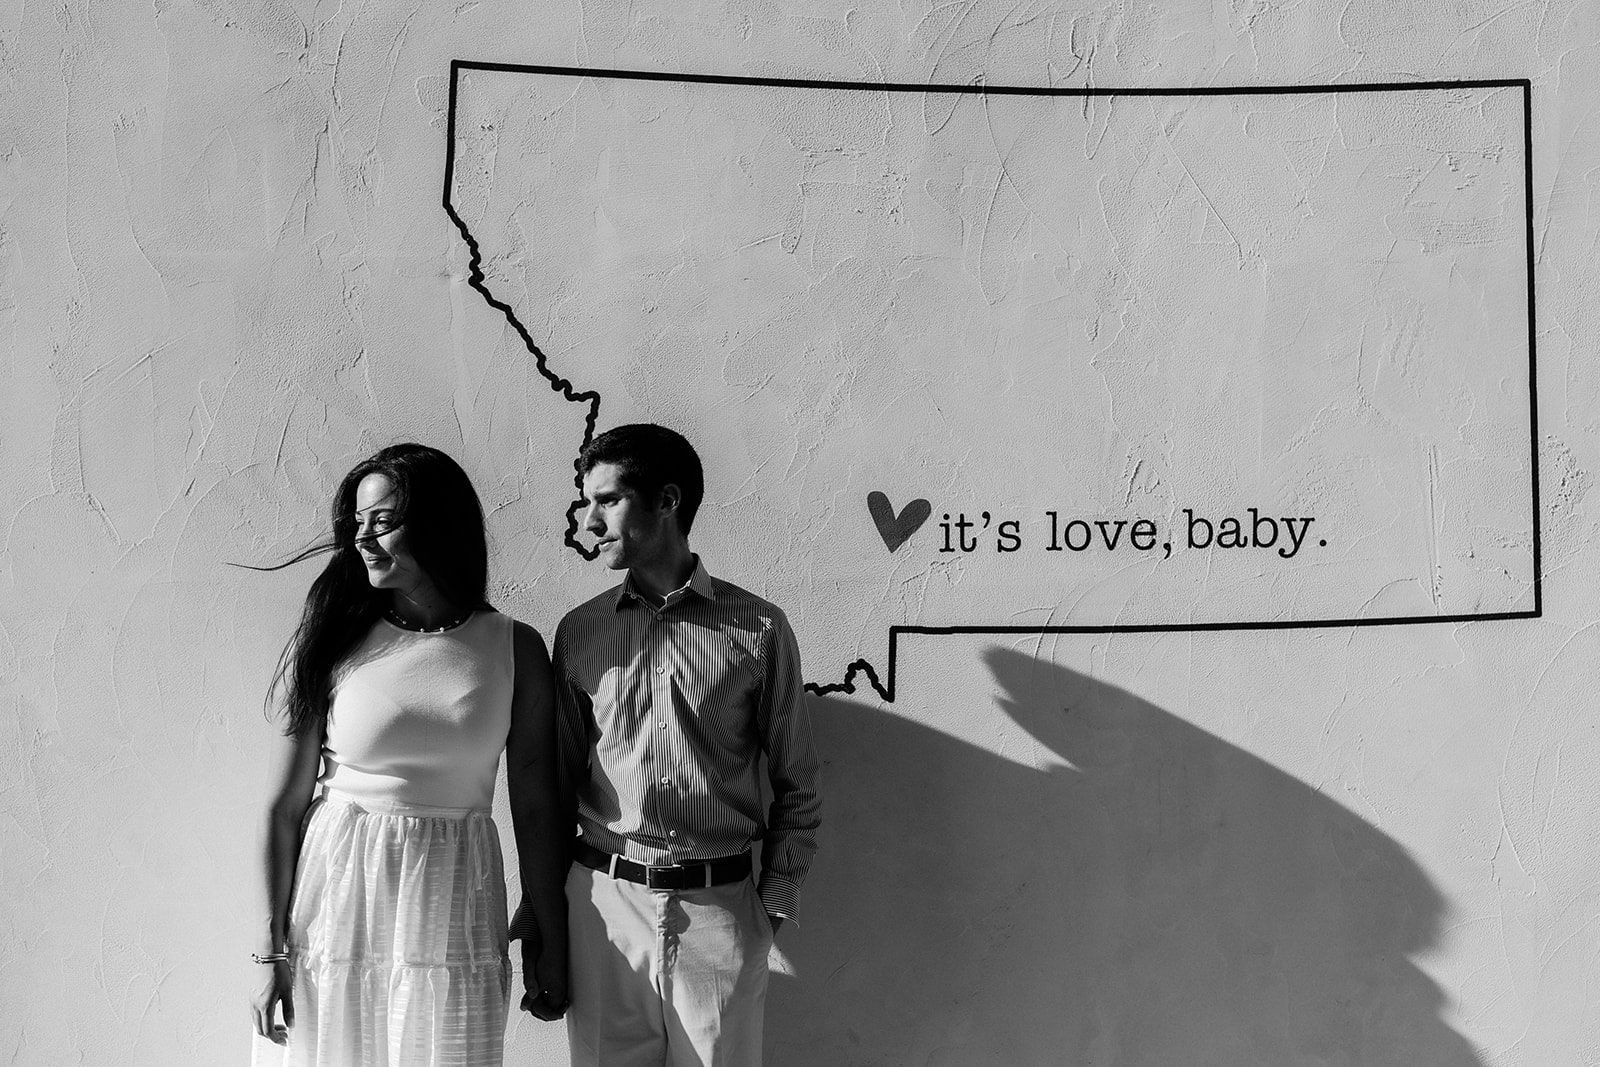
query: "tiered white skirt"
398, 938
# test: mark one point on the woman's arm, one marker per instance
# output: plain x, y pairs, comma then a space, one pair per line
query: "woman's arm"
287, 813
541, 824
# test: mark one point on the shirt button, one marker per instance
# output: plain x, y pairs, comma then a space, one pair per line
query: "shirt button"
666, 781
662, 725
672, 833
661, 670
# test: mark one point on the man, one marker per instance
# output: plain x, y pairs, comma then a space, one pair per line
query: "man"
670, 687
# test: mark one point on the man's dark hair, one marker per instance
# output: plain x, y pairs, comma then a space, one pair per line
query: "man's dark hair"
648, 459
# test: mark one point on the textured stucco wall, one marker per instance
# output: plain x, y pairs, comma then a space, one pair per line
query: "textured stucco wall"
225, 274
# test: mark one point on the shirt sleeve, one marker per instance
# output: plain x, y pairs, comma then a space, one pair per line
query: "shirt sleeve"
792, 768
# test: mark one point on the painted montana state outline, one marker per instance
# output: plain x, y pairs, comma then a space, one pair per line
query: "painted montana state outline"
1209, 359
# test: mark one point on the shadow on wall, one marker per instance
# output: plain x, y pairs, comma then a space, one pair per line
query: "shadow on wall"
1167, 900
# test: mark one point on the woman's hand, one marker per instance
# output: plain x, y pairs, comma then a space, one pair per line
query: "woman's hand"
276, 989
284, 821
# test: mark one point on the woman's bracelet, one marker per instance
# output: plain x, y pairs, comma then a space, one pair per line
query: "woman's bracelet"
270, 957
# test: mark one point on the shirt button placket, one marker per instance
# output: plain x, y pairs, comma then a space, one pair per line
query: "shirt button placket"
661, 703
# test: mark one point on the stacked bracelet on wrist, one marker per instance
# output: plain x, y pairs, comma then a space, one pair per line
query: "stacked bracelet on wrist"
270, 957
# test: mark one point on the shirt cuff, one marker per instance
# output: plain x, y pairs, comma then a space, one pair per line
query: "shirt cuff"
780, 896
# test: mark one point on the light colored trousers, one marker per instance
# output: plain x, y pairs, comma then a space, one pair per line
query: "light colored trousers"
661, 977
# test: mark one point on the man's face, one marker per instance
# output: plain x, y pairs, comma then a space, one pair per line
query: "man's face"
629, 531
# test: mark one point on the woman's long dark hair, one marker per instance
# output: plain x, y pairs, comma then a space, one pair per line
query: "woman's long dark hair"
435, 501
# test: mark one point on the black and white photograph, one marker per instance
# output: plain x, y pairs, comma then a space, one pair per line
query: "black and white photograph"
860, 533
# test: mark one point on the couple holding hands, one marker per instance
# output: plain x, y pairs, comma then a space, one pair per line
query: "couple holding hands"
632, 761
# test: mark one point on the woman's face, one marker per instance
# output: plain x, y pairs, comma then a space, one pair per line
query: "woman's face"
381, 540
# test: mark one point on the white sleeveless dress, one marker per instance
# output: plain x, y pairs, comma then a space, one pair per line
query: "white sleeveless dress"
397, 929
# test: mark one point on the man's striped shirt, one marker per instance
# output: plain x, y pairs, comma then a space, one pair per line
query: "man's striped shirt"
664, 713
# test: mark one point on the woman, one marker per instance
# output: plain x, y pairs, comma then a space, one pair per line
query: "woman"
386, 940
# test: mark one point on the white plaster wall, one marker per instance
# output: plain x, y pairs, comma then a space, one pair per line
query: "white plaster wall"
225, 275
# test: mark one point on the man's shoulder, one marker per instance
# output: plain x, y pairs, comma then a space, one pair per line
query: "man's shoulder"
739, 600
602, 605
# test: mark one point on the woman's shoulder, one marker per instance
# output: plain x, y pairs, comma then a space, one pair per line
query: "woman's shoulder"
525, 639
530, 659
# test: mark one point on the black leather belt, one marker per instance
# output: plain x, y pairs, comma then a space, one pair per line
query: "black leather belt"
673, 876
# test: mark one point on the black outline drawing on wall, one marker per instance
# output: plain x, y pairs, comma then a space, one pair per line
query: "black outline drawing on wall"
885, 686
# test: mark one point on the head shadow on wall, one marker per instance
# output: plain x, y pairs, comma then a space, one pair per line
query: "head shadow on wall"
1164, 899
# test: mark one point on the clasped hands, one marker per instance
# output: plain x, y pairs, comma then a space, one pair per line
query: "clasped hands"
546, 982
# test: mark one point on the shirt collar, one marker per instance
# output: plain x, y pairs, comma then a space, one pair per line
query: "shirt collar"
699, 582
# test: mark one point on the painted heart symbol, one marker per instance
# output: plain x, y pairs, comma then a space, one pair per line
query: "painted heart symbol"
894, 529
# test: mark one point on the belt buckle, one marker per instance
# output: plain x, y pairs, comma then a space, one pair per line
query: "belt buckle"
650, 877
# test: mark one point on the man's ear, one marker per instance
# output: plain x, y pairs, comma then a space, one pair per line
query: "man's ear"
671, 497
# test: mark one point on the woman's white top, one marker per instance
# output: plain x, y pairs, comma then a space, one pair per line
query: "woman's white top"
421, 718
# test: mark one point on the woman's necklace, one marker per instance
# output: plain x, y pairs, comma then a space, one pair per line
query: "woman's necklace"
405, 624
